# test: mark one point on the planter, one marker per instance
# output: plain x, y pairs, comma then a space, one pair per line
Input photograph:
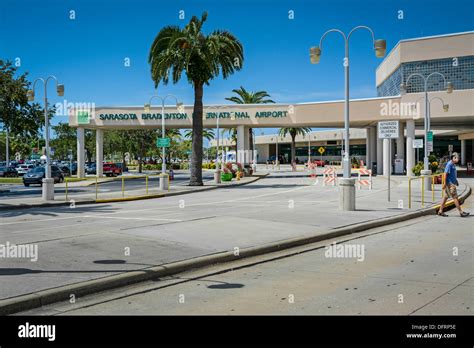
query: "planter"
226, 177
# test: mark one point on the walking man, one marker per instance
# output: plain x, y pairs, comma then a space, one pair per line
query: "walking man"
450, 181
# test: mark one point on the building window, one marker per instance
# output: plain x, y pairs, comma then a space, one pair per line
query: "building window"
459, 72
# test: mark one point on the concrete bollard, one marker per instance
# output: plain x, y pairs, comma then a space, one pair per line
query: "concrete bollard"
427, 179
347, 194
164, 182
48, 189
217, 176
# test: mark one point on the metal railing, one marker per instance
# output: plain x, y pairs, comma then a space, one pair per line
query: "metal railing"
422, 177
96, 192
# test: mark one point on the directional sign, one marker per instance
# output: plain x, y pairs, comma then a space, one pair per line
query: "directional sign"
430, 135
388, 129
82, 117
321, 150
429, 143
418, 143
163, 142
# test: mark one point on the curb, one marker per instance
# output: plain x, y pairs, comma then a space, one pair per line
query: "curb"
62, 293
125, 199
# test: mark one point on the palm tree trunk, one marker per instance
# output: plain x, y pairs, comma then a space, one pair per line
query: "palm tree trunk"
196, 155
250, 139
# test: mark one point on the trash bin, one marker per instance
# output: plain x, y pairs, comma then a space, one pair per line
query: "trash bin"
374, 168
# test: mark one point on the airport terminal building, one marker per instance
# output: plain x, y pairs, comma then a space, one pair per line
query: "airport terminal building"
451, 55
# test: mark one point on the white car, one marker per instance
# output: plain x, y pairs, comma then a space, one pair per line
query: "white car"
22, 169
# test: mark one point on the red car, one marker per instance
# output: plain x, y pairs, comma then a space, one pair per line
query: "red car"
111, 169
319, 163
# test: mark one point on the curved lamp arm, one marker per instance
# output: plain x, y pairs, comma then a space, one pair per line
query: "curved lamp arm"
330, 31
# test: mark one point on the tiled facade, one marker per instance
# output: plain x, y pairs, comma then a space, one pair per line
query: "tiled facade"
459, 71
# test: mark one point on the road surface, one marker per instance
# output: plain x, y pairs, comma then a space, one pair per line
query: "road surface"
421, 266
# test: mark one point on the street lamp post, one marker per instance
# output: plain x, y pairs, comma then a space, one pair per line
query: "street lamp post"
277, 162
217, 173
164, 180
309, 150
449, 89
48, 182
426, 170
348, 192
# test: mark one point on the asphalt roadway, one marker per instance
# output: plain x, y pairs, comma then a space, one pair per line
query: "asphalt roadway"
417, 267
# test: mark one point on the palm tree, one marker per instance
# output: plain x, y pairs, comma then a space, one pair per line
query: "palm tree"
245, 97
202, 57
293, 133
207, 133
232, 132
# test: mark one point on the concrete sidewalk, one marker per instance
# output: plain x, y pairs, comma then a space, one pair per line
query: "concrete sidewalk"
106, 196
96, 247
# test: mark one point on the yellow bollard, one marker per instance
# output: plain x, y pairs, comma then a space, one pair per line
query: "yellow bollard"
422, 191
442, 184
432, 188
409, 193
123, 186
146, 183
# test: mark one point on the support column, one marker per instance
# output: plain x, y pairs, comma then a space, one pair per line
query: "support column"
80, 152
369, 144
387, 158
401, 141
410, 162
463, 152
379, 154
243, 145
99, 152
373, 150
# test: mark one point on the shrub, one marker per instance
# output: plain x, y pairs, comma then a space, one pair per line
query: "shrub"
209, 165
434, 166
417, 169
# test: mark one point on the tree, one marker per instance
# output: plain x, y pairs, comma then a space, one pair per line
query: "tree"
207, 133
16, 114
142, 139
293, 133
118, 141
64, 140
244, 97
202, 57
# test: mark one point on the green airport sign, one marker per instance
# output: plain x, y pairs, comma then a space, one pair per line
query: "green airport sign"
163, 142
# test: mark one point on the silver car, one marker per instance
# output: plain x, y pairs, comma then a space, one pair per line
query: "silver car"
22, 169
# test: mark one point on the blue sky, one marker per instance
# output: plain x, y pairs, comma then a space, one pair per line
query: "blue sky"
87, 54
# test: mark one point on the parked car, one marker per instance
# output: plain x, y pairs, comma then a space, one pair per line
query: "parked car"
319, 163
22, 169
8, 172
36, 176
65, 170
111, 169
91, 169
120, 165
